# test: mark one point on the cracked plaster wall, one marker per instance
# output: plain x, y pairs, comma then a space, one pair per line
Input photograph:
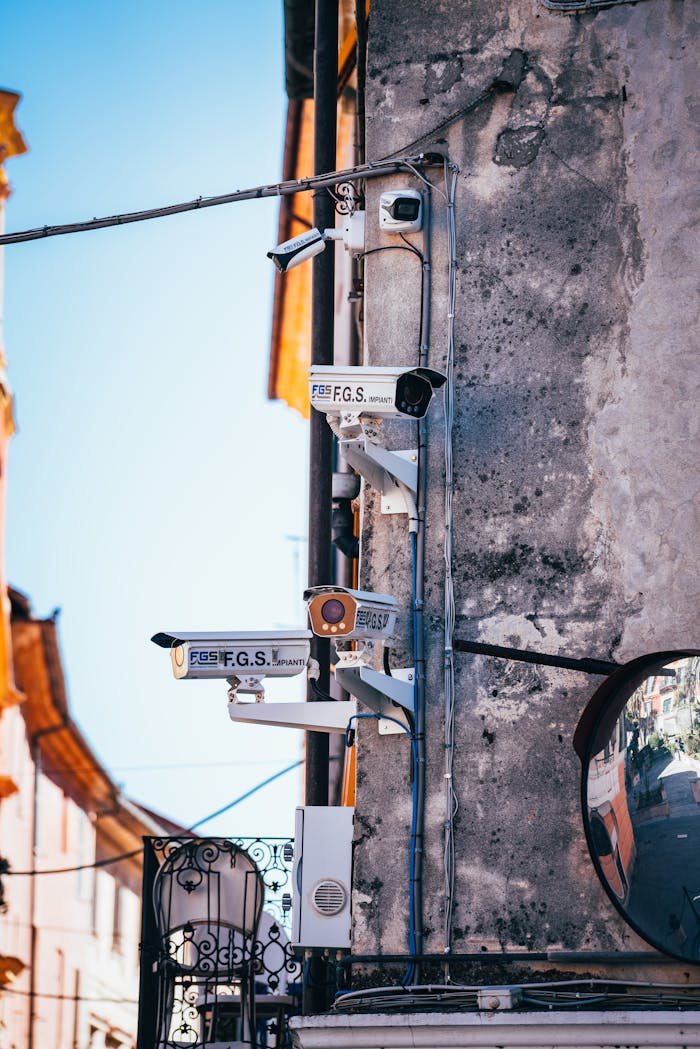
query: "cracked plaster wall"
576, 440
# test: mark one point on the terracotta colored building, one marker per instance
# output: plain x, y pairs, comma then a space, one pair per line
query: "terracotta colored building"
70, 939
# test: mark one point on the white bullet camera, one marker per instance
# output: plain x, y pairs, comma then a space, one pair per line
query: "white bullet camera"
340, 390
242, 658
355, 400
337, 612
297, 250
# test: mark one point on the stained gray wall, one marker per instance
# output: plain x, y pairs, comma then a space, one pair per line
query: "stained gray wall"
576, 444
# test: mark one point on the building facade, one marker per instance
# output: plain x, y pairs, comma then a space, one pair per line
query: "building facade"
74, 933
564, 310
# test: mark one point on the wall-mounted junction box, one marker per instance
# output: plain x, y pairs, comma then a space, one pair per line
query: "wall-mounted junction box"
322, 876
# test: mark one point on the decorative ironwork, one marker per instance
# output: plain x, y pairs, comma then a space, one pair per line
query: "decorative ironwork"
216, 962
347, 200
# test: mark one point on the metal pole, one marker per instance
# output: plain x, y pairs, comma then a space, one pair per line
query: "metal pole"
31, 998
419, 642
320, 435
35, 751
147, 1033
602, 667
322, 318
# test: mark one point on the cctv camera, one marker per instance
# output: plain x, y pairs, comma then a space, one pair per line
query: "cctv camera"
354, 400
297, 250
244, 657
337, 612
401, 211
343, 390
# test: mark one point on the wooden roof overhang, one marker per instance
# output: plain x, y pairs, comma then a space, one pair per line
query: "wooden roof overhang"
290, 342
66, 757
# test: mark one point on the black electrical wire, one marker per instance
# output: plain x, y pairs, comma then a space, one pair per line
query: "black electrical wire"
563, 994
373, 169
391, 247
412, 247
277, 189
82, 867
136, 852
70, 997
320, 694
448, 121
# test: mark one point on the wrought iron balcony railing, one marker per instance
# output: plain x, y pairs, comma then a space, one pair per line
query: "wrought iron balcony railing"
217, 967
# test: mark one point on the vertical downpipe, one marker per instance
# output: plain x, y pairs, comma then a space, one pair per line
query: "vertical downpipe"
320, 436
419, 643
35, 751
322, 319
76, 1011
33, 932
149, 997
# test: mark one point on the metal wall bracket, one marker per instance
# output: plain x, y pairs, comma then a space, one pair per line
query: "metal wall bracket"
311, 717
380, 692
388, 472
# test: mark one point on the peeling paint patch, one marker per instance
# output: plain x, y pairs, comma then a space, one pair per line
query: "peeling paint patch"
518, 147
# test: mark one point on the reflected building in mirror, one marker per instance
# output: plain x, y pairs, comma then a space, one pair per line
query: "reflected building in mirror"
642, 804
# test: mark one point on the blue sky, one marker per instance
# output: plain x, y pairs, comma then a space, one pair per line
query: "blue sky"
151, 484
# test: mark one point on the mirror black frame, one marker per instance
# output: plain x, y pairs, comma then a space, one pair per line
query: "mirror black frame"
594, 728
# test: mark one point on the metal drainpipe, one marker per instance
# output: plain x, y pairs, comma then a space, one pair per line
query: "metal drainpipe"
34, 932
322, 319
420, 584
76, 1010
320, 435
361, 68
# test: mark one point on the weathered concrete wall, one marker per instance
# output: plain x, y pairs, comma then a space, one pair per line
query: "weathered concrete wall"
576, 442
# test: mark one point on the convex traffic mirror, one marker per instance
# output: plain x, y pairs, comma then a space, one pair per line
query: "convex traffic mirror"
639, 742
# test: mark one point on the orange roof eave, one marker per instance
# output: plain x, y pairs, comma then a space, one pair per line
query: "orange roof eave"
12, 143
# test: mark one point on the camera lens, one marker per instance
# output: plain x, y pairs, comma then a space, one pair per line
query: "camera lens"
413, 394
333, 610
413, 391
405, 209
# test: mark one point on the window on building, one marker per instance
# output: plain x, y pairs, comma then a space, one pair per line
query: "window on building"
85, 853
621, 734
118, 912
65, 816
60, 979
39, 808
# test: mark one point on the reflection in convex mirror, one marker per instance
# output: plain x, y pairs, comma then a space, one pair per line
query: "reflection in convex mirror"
641, 798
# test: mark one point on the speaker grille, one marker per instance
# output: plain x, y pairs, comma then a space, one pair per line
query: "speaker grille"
328, 897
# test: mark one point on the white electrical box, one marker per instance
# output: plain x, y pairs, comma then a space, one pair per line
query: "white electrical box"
322, 876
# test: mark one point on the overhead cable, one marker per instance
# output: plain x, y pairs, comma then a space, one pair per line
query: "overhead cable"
372, 169
276, 189
69, 997
136, 852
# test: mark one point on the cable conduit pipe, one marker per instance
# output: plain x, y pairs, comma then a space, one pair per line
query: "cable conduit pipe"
419, 598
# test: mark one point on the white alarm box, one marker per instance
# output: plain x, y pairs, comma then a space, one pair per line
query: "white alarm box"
322, 876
